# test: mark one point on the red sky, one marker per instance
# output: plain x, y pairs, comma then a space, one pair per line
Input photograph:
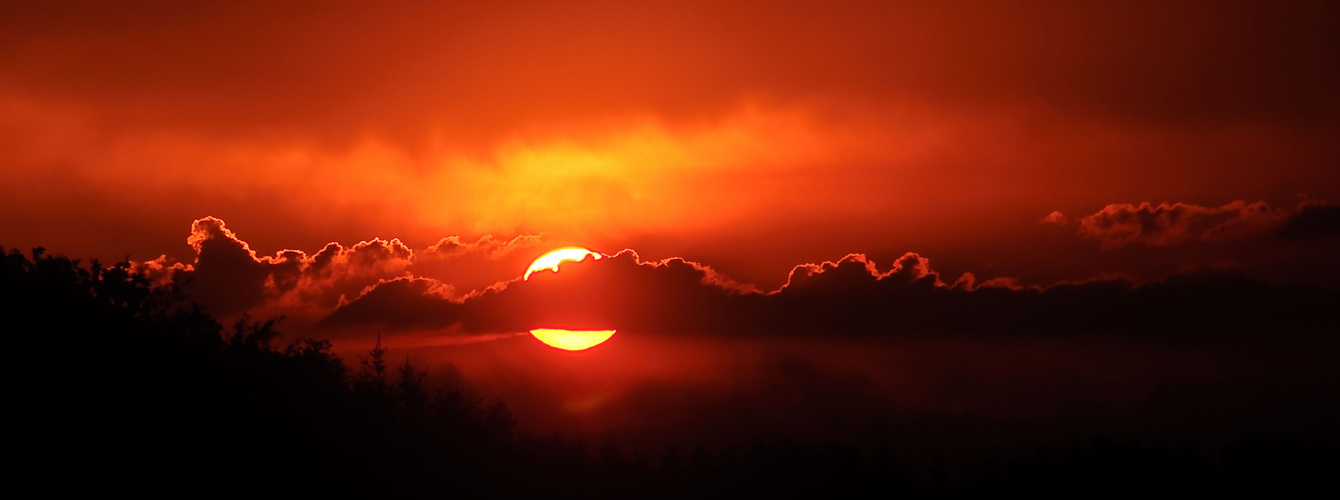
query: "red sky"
359, 168
752, 137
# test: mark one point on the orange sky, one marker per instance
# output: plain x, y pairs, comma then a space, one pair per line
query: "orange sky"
751, 136
1018, 207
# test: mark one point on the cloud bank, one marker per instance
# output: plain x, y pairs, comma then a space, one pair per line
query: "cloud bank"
229, 278
385, 283
1167, 224
1171, 224
852, 296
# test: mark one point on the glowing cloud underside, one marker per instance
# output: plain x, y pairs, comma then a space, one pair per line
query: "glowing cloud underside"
572, 340
552, 259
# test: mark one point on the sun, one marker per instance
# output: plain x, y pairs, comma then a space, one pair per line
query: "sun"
572, 340
568, 340
552, 259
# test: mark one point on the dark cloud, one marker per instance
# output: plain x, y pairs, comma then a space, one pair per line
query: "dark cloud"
1311, 221
1245, 232
396, 302
227, 277
1167, 224
379, 281
850, 296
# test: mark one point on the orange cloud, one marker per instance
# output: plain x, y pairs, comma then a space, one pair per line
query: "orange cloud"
491, 247
1056, 217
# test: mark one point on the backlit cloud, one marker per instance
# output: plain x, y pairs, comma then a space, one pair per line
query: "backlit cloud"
849, 297
1171, 224
229, 278
1168, 224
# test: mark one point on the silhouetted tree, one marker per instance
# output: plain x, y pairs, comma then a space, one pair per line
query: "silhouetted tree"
413, 398
372, 369
254, 338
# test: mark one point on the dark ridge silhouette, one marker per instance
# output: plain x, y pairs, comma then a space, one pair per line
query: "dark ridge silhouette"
125, 387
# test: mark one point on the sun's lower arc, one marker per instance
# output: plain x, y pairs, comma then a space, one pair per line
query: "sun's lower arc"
568, 340
572, 340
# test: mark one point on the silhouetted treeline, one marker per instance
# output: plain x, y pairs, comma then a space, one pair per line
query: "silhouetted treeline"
130, 388
124, 387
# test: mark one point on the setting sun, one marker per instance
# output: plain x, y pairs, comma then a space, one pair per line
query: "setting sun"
572, 340
552, 259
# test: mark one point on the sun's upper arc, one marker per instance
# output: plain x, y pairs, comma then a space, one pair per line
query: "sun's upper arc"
552, 259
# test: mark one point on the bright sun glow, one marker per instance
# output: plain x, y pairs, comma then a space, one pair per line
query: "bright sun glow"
552, 259
572, 340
